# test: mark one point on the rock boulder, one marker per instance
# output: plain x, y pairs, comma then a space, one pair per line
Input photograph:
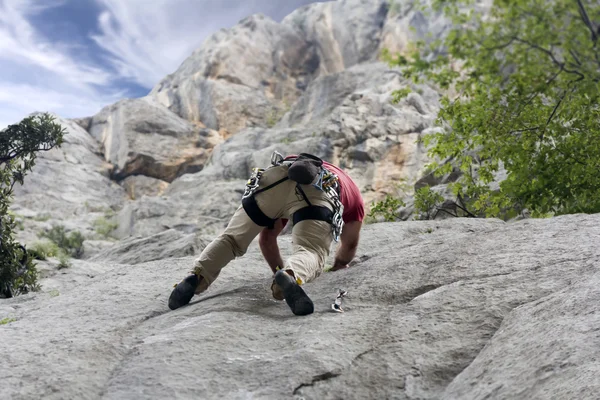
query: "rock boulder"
461, 308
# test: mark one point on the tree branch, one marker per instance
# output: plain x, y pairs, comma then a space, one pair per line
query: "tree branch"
12, 186
469, 213
587, 22
556, 108
572, 52
524, 130
454, 203
533, 96
561, 65
444, 210
21, 152
558, 103
500, 46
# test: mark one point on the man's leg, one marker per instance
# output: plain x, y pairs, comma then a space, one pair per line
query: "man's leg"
236, 238
232, 243
311, 242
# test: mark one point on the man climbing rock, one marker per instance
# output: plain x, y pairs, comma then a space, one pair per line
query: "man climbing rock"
304, 189
353, 215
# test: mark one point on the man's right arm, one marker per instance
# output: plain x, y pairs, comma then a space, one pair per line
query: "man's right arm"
348, 245
269, 247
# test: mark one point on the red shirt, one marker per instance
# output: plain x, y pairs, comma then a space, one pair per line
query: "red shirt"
354, 207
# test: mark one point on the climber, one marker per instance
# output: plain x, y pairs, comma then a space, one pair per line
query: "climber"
353, 215
304, 189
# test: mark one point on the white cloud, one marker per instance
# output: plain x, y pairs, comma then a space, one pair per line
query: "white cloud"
19, 100
39, 75
150, 39
19, 42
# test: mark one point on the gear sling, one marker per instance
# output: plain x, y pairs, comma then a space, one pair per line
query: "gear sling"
326, 182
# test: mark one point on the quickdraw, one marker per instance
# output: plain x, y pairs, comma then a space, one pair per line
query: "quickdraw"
253, 182
276, 159
337, 222
329, 183
337, 303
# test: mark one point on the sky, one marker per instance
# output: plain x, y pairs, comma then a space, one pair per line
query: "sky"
73, 57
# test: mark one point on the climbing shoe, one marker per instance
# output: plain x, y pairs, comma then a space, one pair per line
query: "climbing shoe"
294, 295
276, 291
183, 292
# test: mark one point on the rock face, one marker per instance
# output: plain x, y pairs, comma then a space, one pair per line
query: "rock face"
212, 88
142, 138
68, 186
312, 83
168, 244
461, 308
141, 185
279, 62
345, 118
346, 32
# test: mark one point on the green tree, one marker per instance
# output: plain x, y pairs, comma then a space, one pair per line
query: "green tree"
19, 145
522, 84
387, 208
427, 202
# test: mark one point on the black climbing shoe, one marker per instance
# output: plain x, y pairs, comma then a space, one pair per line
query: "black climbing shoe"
276, 291
183, 292
294, 295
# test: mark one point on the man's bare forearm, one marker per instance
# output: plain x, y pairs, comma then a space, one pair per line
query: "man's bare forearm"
272, 256
348, 246
343, 257
269, 247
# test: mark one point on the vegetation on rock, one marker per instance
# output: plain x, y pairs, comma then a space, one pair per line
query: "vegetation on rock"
522, 85
19, 145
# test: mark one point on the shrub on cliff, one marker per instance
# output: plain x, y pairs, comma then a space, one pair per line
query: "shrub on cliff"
19, 145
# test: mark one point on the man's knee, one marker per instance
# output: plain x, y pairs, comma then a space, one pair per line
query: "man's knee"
237, 245
307, 262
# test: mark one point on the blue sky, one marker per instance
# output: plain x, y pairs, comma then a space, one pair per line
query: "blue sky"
73, 57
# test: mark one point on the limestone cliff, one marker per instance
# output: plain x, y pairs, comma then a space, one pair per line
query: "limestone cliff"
311, 83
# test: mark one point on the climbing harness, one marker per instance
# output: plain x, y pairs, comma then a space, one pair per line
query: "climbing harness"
254, 180
327, 182
337, 303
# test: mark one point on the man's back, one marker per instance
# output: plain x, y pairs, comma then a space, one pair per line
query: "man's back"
350, 196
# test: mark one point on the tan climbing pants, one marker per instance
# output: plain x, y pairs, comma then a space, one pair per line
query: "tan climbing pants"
311, 239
